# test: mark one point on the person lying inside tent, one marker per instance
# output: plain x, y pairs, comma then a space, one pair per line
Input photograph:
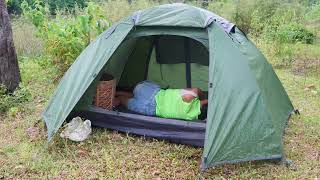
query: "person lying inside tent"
149, 99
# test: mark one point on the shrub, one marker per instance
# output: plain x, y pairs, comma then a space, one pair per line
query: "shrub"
68, 5
13, 100
292, 32
313, 16
14, 6
253, 16
314, 12
284, 53
66, 36
265, 18
242, 15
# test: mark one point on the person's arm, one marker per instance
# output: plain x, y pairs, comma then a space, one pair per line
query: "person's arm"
121, 100
124, 93
189, 97
204, 102
201, 94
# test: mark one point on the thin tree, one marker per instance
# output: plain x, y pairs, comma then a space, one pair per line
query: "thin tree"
9, 69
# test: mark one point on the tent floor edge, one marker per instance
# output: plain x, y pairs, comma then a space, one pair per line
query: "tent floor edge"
273, 158
285, 162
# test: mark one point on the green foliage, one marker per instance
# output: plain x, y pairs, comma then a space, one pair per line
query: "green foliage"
12, 112
314, 12
273, 19
293, 32
253, 16
288, 26
34, 12
278, 23
14, 6
11, 101
242, 15
284, 53
66, 36
68, 5
313, 15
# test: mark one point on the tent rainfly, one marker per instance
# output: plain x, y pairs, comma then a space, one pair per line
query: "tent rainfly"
179, 46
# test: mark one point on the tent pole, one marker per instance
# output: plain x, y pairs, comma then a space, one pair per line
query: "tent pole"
188, 60
148, 59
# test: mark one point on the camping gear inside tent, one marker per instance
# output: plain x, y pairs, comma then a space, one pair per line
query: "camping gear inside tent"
179, 46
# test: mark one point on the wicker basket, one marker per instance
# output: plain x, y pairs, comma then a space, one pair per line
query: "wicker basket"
105, 92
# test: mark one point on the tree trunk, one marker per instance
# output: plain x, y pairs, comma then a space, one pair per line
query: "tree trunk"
9, 69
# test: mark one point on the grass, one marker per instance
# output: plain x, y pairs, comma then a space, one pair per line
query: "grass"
25, 154
26, 42
120, 156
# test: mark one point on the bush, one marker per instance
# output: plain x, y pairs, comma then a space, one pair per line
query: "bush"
252, 16
274, 19
13, 100
314, 12
313, 16
292, 33
66, 36
14, 6
242, 15
68, 5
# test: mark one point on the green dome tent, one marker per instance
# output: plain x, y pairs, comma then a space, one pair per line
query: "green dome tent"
178, 46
